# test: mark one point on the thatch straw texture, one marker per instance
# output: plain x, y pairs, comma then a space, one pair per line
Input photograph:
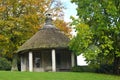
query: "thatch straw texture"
47, 37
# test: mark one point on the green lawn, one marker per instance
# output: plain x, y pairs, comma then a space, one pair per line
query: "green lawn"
55, 76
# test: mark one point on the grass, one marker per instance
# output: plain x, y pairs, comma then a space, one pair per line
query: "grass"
55, 76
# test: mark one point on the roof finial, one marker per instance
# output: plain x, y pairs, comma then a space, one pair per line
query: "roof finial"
48, 22
48, 19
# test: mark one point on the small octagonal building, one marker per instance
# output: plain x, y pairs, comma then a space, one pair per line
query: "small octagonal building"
47, 50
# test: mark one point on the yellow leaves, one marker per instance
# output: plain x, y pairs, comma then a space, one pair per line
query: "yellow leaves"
35, 5
84, 29
82, 26
17, 33
63, 26
3, 38
24, 2
2, 8
23, 18
35, 28
31, 22
32, 2
42, 9
32, 19
14, 19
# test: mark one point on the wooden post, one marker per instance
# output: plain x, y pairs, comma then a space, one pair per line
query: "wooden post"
53, 61
30, 61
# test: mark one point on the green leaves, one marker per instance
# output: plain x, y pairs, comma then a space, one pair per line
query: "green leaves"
91, 52
103, 19
81, 42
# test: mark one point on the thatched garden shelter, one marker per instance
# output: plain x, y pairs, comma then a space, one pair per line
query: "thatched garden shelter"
47, 50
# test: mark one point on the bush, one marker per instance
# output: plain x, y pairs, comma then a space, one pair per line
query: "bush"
105, 68
5, 64
83, 69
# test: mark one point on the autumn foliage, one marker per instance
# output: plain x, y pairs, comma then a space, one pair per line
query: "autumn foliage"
20, 19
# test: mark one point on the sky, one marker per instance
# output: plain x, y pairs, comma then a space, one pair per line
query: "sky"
71, 11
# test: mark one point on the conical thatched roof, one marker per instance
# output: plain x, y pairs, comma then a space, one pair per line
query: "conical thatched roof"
47, 37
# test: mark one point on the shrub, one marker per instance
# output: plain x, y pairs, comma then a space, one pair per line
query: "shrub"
83, 69
5, 64
105, 68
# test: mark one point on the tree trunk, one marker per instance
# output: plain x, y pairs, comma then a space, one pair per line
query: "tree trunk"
116, 58
14, 63
116, 65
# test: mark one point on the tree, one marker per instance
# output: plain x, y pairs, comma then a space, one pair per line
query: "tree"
20, 19
63, 26
103, 19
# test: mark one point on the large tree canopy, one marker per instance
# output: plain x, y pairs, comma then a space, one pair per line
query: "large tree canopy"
103, 19
20, 19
